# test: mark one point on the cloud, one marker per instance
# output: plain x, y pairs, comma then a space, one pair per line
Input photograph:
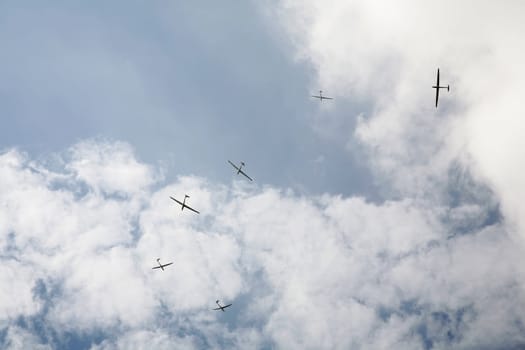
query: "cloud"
109, 168
86, 237
147, 340
386, 55
462, 162
18, 338
437, 265
302, 271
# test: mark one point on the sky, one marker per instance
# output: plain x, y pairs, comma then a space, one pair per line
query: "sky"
374, 221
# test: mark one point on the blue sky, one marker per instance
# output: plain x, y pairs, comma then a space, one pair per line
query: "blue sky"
189, 86
375, 221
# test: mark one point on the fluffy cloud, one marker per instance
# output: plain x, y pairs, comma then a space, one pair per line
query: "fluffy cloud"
438, 265
109, 168
17, 338
147, 340
302, 272
386, 54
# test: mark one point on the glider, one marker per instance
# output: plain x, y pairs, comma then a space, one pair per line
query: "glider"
239, 171
221, 307
161, 266
437, 87
184, 205
321, 97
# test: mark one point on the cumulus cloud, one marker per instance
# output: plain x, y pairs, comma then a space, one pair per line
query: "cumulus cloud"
18, 338
109, 167
146, 340
386, 55
437, 265
302, 271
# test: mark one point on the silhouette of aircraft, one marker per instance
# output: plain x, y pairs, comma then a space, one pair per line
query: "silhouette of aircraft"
437, 87
221, 307
321, 97
239, 171
184, 205
161, 266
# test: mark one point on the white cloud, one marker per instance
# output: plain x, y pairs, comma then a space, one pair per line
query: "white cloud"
428, 267
143, 340
103, 288
386, 54
16, 284
20, 339
302, 272
110, 167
